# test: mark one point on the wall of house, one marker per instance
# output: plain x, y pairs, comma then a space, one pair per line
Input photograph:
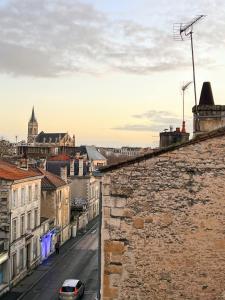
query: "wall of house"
23, 204
163, 230
79, 187
48, 204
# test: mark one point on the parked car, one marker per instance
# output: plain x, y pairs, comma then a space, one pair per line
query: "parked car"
71, 289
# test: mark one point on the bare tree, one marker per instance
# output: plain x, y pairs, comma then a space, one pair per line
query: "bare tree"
6, 148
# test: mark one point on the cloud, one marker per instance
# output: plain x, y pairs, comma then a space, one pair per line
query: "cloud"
156, 121
52, 38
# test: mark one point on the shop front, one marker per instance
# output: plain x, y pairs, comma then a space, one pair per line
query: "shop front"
47, 241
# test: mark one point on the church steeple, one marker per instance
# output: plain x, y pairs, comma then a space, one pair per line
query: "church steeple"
32, 128
33, 118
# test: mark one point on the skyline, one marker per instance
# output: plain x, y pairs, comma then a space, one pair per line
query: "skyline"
112, 69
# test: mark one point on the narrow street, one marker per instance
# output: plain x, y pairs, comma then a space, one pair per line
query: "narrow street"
79, 262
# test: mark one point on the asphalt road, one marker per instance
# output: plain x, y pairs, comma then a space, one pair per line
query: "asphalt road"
80, 262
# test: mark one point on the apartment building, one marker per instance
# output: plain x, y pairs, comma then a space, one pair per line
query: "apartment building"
20, 197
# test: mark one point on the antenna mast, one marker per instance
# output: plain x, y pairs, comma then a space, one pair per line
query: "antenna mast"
183, 32
184, 87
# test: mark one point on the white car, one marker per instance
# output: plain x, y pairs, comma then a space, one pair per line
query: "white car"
71, 289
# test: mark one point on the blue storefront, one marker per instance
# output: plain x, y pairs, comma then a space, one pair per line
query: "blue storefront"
47, 243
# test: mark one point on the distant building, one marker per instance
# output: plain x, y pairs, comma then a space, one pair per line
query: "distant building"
208, 116
85, 187
41, 145
32, 129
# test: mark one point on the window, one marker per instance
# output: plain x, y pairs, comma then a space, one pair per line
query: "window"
14, 235
30, 193
23, 196
35, 247
36, 192
14, 198
36, 218
29, 220
22, 224
21, 259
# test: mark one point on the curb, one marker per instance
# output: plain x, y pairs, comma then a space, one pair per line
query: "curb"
57, 262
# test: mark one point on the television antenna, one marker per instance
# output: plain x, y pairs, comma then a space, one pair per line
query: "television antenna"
183, 32
184, 87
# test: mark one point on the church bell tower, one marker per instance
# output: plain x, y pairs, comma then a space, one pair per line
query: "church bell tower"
32, 129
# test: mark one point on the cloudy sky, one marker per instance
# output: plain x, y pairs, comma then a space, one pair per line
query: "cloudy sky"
107, 70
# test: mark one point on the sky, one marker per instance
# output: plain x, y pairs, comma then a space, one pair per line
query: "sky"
108, 71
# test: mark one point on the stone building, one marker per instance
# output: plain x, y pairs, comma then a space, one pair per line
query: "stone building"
55, 205
20, 191
209, 116
163, 224
42, 145
84, 185
32, 128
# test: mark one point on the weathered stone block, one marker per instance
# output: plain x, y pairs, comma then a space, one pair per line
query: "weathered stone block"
120, 202
117, 212
115, 247
138, 223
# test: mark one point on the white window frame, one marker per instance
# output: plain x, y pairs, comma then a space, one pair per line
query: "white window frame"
30, 193
29, 227
14, 229
22, 225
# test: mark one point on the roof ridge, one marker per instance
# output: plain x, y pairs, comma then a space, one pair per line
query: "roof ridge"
203, 137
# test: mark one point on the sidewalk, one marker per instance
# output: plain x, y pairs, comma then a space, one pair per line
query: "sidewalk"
19, 291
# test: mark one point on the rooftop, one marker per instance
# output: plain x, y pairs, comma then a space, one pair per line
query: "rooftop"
9, 171
200, 138
50, 180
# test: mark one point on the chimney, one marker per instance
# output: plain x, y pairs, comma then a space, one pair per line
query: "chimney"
81, 167
206, 97
183, 130
63, 173
171, 128
23, 163
42, 164
72, 167
178, 129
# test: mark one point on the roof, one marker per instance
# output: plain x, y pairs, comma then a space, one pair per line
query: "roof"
206, 97
70, 282
60, 157
49, 137
203, 137
50, 180
9, 171
93, 153
33, 118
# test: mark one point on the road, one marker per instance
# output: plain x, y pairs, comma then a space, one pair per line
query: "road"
80, 262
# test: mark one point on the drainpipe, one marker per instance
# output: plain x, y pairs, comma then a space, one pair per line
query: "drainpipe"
100, 242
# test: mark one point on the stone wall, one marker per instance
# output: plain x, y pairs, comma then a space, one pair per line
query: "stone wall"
163, 230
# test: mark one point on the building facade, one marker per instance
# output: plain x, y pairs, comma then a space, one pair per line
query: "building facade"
163, 223
20, 192
55, 205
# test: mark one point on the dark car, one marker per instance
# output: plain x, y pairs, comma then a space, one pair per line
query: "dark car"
71, 289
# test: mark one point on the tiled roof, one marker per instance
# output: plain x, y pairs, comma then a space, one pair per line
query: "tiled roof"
50, 180
60, 157
9, 171
49, 137
209, 135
